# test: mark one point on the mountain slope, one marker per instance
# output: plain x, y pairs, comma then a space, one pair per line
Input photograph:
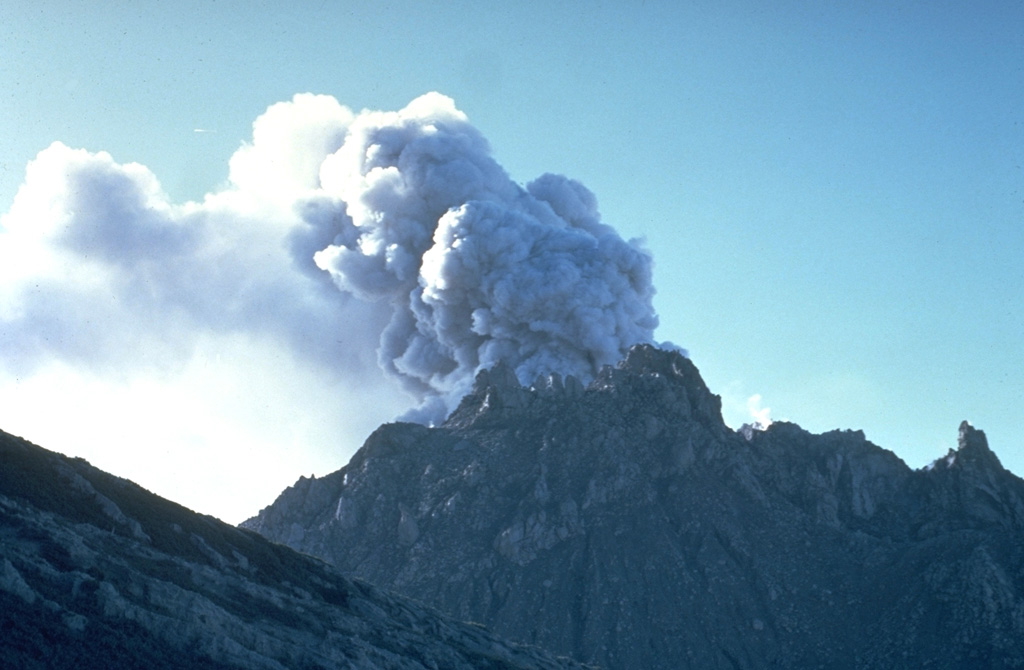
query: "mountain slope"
97, 572
626, 525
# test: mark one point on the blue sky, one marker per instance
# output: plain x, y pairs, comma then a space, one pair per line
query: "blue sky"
833, 196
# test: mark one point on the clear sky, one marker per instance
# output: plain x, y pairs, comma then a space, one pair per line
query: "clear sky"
833, 195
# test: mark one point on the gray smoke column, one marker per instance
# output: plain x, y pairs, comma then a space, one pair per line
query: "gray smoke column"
475, 268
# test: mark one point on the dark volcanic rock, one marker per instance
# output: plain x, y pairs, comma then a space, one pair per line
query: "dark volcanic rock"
625, 524
96, 572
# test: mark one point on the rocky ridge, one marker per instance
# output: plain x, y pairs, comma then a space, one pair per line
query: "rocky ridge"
624, 524
97, 572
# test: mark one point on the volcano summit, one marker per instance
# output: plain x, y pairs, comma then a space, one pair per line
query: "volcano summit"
624, 524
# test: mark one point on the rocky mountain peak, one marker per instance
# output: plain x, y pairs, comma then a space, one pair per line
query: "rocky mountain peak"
500, 377
969, 488
666, 381
623, 524
645, 361
971, 457
972, 448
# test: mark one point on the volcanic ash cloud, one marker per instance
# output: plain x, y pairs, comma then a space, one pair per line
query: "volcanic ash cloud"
475, 268
442, 261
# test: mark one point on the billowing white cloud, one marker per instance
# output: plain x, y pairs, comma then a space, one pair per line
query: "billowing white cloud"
362, 246
101, 270
290, 142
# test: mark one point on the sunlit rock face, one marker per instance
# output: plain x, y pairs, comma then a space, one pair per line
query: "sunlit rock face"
625, 525
96, 572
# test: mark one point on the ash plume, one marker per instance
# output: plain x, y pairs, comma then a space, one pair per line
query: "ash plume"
445, 265
475, 268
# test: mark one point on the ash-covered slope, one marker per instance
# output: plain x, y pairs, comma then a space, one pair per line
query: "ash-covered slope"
625, 524
96, 572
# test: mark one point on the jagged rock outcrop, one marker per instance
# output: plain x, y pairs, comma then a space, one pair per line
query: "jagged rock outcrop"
96, 572
624, 524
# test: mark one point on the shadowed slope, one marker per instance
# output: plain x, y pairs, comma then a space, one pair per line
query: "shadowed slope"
97, 572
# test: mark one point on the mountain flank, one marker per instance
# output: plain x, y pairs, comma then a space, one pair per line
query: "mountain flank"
96, 572
625, 525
